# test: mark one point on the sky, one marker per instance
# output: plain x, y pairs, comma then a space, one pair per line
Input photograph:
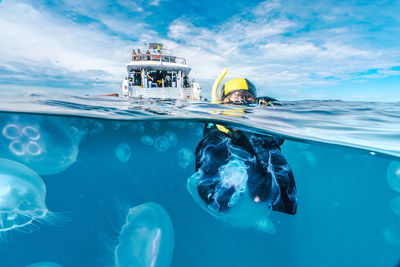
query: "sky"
291, 50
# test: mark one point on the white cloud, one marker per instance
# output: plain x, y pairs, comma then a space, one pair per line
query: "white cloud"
156, 2
131, 5
272, 44
273, 49
36, 43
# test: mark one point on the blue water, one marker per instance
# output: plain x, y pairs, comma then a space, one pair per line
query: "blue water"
115, 174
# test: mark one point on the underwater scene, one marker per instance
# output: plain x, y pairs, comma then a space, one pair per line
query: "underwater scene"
114, 182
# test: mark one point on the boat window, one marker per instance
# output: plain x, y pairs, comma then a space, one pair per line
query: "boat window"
165, 79
137, 78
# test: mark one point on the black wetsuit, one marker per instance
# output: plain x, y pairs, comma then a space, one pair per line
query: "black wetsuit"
270, 178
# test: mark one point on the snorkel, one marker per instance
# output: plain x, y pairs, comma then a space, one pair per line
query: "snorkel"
214, 90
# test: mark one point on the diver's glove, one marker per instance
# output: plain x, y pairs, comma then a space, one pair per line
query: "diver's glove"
264, 103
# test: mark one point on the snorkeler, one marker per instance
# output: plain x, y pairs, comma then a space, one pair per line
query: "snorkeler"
231, 162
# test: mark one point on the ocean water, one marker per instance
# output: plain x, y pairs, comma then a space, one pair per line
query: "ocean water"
90, 181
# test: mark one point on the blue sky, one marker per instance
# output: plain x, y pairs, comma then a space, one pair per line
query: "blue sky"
291, 50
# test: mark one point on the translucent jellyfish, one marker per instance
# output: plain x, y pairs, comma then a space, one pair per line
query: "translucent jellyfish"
147, 140
311, 158
79, 127
137, 127
198, 131
395, 205
393, 175
172, 138
48, 145
392, 235
162, 143
244, 211
123, 152
146, 239
156, 125
115, 125
97, 128
178, 124
22, 197
44, 264
185, 157
191, 125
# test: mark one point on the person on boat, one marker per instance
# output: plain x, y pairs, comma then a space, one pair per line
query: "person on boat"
133, 54
185, 81
174, 80
149, 79
148, 55
168, 81
232, 162
159, 78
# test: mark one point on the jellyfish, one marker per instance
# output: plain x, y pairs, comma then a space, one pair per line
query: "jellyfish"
48, 145
395, 205
137, 127
191, 125
146, 239
198, 131
185, 157
123, 152
44, 264
310, 157
115, 125
244, 211
147, 140
98, 127
162, 143
79, 127
172, 138
393, 175
392, 235
156, 125
22, 197
178, 124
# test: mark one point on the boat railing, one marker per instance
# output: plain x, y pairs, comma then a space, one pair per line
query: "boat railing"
158, 57
162, 92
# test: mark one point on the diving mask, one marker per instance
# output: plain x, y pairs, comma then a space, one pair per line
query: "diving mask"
239, 97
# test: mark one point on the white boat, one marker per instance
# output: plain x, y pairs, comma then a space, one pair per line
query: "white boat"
158, 74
